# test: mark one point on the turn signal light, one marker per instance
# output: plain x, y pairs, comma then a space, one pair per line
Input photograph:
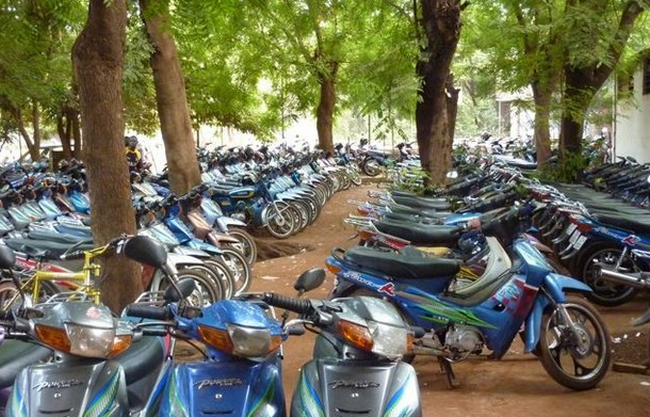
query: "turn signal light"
356, 335
219, 339
332, 268
120, 344
53, 337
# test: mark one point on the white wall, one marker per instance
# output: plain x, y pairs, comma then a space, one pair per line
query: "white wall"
633, 124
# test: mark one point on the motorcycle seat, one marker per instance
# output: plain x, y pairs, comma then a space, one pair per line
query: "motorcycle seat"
52, 236
634, 224
413, 218
419, 202
15, 355
42, 249
399, 208
421, 234
406, 264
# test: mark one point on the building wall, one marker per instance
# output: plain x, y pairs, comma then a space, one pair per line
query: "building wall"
633, 124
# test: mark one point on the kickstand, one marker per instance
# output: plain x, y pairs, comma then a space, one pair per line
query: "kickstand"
445, 368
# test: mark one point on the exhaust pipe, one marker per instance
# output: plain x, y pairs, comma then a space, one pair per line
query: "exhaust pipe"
635, 280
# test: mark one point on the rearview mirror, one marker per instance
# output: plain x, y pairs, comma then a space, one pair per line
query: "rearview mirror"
186, 288
145, 250
7, 257
310, 280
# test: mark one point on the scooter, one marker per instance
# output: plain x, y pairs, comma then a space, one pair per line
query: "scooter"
14, 354
241, 372
356, 367
103, 366
517, 290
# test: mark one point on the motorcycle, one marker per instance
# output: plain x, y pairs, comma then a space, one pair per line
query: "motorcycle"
103, 366
517, 290
356, 367
241, 373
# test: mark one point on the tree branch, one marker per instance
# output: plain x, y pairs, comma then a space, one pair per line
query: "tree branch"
632, 10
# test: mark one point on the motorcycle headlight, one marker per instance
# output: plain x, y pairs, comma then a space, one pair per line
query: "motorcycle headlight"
241, 341
381, 339
83, 341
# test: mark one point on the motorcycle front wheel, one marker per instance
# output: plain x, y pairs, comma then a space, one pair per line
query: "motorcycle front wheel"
575, 350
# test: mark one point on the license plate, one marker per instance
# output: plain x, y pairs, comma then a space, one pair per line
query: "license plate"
580, 242
572, 227
575, 236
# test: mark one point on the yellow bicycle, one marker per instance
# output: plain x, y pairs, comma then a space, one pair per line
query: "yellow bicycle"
34, 283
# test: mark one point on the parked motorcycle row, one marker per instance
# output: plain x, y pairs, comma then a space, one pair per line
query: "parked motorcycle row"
70, 356
65, 354
453, 276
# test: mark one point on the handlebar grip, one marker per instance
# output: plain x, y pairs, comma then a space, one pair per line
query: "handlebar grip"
288, 303
147, 312
72, 255
154, 332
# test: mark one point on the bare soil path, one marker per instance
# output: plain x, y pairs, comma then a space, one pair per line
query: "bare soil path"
515, 386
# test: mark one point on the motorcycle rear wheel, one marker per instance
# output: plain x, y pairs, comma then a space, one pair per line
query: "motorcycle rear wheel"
605, 293
577, 364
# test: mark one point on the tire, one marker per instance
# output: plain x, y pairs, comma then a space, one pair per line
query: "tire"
249, 248
304, 212
408, 358
239, 268
224, 275
566, 361
205, 293
371, 167
280, 225
218, 286
354, 175
605, 293
8, 296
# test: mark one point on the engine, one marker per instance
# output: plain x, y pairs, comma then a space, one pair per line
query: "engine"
463, 340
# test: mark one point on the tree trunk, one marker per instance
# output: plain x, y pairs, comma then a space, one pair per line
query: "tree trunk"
76, 134
578, 93
325, 111
97, 57
36, 124
542, 135
64, 127
441, 24
171, 98
18, 117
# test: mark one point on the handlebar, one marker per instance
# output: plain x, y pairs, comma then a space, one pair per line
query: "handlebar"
148, 312
288, 303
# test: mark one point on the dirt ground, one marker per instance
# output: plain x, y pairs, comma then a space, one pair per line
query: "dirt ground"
513, 386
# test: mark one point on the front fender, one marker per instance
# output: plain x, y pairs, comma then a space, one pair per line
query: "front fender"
556, 286
223, 222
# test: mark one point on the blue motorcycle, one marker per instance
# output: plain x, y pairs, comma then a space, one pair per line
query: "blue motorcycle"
517, 290
241, 372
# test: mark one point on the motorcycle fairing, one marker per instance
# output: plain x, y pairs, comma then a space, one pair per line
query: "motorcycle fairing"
243, 388
72, 388
331, 387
